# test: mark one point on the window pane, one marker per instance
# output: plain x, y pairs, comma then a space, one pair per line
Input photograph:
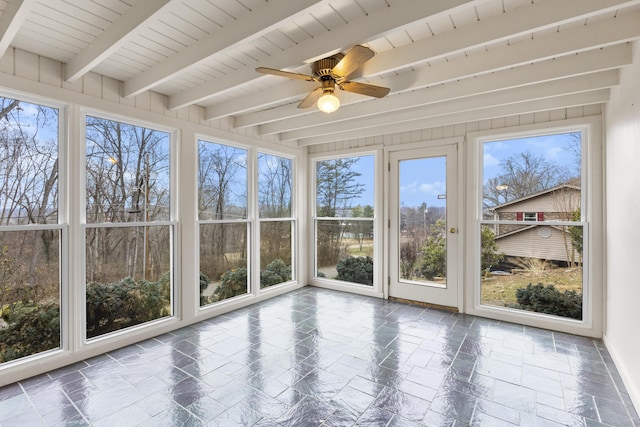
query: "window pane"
342, 256
128, 269
274, 186
128, 276
29, 259
30, 292
222, 181
533, 179
223, 261
344, 248
344, 186
28, 163
536, 268
423, 220
127, 172
275, 252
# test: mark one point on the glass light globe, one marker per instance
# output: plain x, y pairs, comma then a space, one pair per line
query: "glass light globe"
328, 103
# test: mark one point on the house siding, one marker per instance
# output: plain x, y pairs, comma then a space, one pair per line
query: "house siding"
530, 244
556, 206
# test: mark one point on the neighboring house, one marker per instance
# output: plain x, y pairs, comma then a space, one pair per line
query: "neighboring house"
538, 237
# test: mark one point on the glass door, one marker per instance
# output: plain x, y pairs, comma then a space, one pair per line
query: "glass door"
423, 225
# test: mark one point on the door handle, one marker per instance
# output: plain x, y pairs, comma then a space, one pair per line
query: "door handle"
453, 230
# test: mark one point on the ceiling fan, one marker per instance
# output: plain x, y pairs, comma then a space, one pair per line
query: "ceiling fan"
331, 72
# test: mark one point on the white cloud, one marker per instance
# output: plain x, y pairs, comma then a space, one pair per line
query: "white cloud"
490, 160
433, 188
409, 188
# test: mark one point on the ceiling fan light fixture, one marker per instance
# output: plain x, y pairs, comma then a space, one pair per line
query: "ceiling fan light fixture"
332, 71
328, 102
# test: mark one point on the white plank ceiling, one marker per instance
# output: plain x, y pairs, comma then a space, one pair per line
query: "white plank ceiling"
445, 61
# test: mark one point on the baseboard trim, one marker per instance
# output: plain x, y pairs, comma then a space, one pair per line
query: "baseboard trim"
632, 388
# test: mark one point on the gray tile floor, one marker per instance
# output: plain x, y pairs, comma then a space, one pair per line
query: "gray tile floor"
318, 357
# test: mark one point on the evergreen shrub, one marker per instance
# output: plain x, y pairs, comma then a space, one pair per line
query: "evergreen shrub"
549, 300
356, 270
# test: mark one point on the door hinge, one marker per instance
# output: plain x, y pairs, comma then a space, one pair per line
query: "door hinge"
389, 166
389, 280
389, 223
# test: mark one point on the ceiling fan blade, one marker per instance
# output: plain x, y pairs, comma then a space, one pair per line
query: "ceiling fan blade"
311, 99
365, 89
282, 73
354, 59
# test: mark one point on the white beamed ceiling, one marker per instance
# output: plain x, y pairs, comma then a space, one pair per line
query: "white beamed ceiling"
446, 61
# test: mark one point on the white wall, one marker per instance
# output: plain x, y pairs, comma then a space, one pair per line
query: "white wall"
622, 151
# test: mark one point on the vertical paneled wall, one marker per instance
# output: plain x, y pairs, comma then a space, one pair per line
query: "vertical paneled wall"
19, 70
460, 130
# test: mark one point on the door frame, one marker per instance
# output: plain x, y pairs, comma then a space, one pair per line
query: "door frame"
444, 143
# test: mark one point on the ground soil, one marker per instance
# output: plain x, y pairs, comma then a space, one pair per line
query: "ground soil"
500, 290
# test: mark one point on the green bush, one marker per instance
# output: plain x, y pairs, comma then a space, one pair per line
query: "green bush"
232, 283
434, 258
31, 328
434, 252
356, 270
489, 255
275, 272
113, 306
549, 300
204, 284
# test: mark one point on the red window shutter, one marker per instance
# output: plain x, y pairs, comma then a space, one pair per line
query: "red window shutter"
540, 216
519, 216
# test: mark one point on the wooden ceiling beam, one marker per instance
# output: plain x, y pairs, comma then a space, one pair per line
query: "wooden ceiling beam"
253, 25
573, 41
13, 16
558, 68
570, 85
515, 23
524, 20
114, 37
360, 30
524, 107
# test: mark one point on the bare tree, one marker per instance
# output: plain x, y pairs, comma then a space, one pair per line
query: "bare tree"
222, 176
522, 175
28, 195
566, 202
127, 181
274, 201
274, 186
222, 196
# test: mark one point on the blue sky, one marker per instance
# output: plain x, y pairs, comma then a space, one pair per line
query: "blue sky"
552, 148
420, 181
423, 180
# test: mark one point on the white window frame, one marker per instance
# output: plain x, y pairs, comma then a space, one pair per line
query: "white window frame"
62, 225
292, 219
377, 288
172, 223
249, 221
592, 221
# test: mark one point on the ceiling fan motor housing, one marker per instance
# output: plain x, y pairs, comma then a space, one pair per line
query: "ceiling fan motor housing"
322, 67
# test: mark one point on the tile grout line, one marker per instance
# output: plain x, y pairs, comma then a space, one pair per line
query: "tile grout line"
606, 366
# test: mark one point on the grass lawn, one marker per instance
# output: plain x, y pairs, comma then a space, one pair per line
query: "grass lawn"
501, 290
